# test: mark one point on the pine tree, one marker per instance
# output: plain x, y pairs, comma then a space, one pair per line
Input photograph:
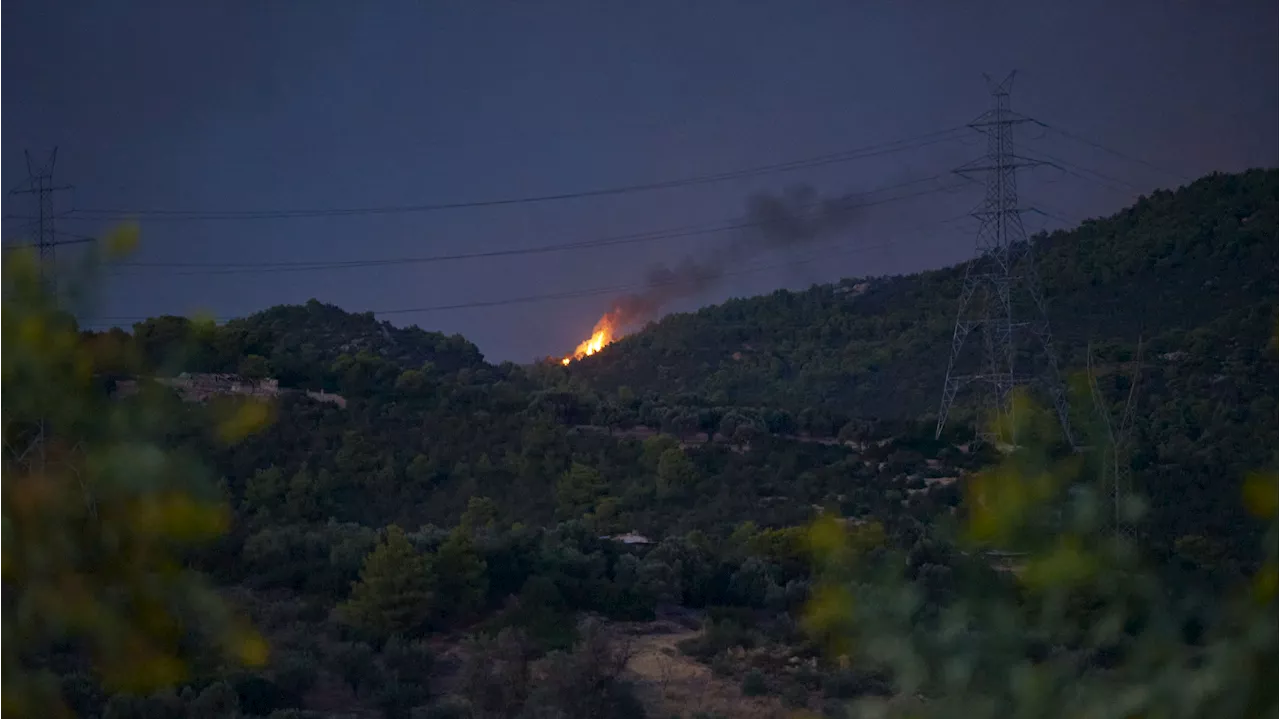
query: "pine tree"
676, 473
461, 584
578, 490
394, 594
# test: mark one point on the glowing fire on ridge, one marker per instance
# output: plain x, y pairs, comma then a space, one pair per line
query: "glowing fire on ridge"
601, 336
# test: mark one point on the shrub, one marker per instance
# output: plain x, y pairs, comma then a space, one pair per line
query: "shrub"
82, 694
717, 637
847, 684
722, 666
397, 698
795, 697
835, 709
1119, 616
295, 673
353, 661
261, 696
409, 661
753, 684
451, 708
112, 509
216, 701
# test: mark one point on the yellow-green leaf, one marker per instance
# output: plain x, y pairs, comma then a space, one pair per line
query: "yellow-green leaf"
1260, 495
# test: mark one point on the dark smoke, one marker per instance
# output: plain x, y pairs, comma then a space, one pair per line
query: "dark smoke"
795, 218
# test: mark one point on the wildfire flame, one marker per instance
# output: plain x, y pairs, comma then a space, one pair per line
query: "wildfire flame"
601, 336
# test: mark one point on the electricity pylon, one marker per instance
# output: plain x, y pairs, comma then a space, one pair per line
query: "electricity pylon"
1001, 295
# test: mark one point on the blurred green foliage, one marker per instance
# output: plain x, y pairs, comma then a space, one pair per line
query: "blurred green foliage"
1080, 625
99, 513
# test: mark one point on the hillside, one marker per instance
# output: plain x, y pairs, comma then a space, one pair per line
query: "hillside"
432, 543
431, 425
311, 346
1192, 271
1174, 262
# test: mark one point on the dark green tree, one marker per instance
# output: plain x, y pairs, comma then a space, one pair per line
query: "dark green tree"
394, 594
578, 490
254, 368
460, 582
676, 473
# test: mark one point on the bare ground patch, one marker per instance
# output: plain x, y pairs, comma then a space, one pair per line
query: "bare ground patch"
670, 683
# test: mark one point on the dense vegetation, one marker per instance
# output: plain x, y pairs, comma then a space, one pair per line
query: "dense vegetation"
1173, 263
1192, 272
431, 546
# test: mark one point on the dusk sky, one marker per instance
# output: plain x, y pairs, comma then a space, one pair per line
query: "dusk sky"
269, 106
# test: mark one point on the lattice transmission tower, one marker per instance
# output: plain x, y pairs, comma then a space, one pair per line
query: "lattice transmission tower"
39, 183
1116, 463
1000, 297
22, 443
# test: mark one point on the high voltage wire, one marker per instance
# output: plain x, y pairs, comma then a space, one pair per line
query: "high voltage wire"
672, 233
916, 142
590, 292
1117, 153
1075, 170
302, 266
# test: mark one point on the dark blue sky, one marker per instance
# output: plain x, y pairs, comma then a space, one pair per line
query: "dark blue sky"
283, 105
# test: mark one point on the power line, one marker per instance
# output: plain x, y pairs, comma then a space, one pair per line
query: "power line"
1112, 151
868, 151
73, 238
1074, 169
589, 292
196, 268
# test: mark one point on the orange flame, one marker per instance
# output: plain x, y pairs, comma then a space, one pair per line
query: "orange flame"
601, 336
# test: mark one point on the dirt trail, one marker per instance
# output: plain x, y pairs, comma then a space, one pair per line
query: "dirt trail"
670, 683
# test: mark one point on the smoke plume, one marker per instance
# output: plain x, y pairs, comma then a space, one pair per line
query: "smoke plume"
792, 219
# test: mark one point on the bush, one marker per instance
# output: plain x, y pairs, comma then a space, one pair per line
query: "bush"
587, 682
848, 684
1080, 587
113, 508
835, 709
218, 700
397, 698
409, 661
718, 637
295, 673
795, 697
753, 684
353, 661
261, 696
722, 666
447, 709
82, 694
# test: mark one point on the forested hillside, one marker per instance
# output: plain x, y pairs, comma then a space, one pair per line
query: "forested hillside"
1192, 272
313, 346
1174, 262
429, 545
429, 424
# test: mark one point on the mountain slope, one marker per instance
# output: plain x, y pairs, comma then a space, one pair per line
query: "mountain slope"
1173, 262
430, 425
312, 346
1192, 272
